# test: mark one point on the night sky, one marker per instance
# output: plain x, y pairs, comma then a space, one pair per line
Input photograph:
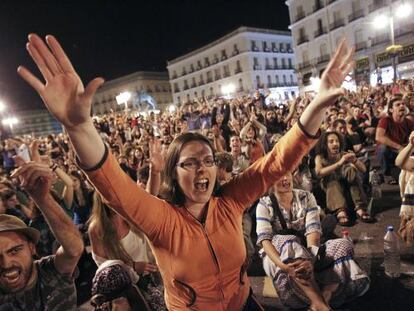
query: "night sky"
115, 38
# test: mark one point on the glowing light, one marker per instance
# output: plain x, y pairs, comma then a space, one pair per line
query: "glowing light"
403, 10
228, 89
10, 121
123, 98
315, 82
2, 106
171, 108
381, 21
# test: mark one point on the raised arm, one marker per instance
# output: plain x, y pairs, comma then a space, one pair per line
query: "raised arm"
65, 96
37, 178
330, 88
70, 103
297, 142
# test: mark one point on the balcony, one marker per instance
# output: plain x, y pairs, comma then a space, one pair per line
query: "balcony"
209, 80
317, 7
226, 74
299, 16
401, 31
380, 39
323, 59
176, 90
319, 32
174, 76
304, 65
237, 70
331, 1
336, 24
185, 87
303, 39
268, 67
193, 85
201, 82
360, 46
376, 6
257, 67
356, 15
217, 77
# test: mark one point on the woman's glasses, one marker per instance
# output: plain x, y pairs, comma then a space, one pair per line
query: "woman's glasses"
193, 164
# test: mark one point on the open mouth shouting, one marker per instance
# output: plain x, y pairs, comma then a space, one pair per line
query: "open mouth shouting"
11, 278
201, 184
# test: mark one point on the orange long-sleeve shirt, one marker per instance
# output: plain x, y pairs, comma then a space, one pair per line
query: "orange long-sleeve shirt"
201, 264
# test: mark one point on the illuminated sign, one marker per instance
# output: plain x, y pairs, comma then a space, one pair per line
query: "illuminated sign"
406, 54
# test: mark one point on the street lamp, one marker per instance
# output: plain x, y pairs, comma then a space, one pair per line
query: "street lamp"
123, 98
382, 21
2, 106
11, 121
228, 89
171, 109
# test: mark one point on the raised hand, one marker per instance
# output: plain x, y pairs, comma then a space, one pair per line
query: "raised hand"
63, 92
332, 78
156, 156
411, 138
35, 178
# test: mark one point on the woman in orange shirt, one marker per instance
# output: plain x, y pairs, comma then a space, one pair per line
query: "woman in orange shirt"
196, 232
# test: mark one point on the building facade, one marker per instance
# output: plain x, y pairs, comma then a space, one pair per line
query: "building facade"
318, 25
246, 59
33, 122
149, 91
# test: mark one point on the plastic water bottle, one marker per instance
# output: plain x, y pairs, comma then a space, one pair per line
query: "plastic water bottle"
345, 235
374, 178
391, 253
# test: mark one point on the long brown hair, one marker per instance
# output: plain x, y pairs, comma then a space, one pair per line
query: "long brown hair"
100, 220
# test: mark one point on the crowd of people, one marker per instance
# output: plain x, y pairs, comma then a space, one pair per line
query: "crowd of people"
172, 207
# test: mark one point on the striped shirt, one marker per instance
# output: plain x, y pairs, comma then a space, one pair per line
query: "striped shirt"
304, 216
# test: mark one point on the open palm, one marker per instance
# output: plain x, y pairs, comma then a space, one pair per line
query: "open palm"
63, 93
156, 155
332, 78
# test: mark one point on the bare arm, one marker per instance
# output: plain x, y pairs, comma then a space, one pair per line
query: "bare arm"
333, 76
65, 97
36, 179
403, 160
313, 239
292, 110
68, 191
273, 254
382, 138
327, 170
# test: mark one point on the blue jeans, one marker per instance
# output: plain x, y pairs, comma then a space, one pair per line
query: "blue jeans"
386, 157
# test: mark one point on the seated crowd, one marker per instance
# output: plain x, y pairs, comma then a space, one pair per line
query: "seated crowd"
48, 205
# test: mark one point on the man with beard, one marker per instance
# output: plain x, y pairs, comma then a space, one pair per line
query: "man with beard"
391, 135
338, 171
47, 283
273, 125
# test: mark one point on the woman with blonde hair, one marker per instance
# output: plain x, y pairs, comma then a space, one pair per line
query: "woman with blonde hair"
112, 238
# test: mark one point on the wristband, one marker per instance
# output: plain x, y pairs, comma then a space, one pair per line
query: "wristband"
53, 167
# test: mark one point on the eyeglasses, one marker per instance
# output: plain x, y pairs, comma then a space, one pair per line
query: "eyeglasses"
193, 164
